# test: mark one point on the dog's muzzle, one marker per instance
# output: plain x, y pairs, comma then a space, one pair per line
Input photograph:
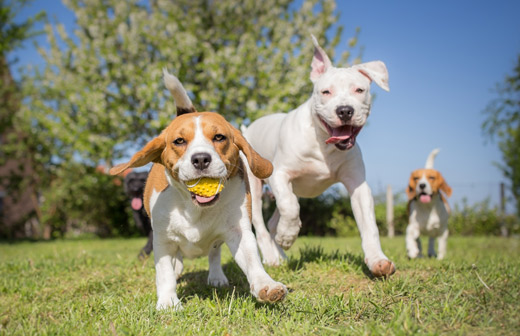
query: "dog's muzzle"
343, 137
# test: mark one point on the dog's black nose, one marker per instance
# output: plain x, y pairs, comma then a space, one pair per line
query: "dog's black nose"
422, 185
345, 112
201, 161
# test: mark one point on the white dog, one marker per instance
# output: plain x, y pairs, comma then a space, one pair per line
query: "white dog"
313, 147
197, 146
428, 209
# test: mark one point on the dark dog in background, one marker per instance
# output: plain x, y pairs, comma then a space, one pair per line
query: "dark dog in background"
134, 188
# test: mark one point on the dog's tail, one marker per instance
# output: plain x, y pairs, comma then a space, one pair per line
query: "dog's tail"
431, 158
183, 102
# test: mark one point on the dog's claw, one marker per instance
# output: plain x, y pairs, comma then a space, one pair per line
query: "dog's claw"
383, 268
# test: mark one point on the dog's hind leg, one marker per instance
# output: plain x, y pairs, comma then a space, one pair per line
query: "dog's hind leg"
178, 265
272, 254
216, 275
431, 248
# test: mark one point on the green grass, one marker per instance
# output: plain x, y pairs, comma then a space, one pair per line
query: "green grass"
98, 287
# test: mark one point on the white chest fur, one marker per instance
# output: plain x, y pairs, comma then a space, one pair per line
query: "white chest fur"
432, 217
194, 229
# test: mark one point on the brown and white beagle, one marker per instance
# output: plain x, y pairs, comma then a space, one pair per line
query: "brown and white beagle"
201, 145
428, 209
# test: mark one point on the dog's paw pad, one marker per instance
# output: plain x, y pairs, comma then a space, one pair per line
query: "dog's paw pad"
383, 268
272, 295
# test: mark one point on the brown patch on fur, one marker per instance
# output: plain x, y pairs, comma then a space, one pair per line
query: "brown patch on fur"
156, 181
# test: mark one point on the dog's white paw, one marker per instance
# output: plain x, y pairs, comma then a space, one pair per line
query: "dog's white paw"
287, 232
217, 280
168, 302
269, 292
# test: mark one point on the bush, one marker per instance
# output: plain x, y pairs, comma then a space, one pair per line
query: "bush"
81, 200
480, 219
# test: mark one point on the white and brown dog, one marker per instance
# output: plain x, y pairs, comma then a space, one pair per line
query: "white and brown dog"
428, 209
197, 145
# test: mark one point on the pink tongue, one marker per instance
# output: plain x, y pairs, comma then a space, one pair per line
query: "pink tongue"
137, 203
202, 199
339, 134
425, 198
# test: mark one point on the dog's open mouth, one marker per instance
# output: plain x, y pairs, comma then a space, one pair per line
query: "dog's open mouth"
203, 200
343, 137
425, 198
137, 203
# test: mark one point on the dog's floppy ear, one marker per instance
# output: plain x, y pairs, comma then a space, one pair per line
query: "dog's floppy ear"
410, 190
320, 61
444, 186
151, 152
260, 167
376, 71
183, 102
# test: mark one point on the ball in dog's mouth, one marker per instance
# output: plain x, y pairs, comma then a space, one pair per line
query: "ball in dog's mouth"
205, 191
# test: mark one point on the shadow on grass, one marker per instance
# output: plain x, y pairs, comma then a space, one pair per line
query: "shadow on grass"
317, 254
196, 283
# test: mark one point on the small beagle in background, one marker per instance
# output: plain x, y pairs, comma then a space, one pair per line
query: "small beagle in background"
196, 147
428, 210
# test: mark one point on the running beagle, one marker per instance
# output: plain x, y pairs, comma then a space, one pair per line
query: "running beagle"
198, 148
428, 209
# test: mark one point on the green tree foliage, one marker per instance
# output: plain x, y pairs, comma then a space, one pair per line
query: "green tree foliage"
100, 93
503, 123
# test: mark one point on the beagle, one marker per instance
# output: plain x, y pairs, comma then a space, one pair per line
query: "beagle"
428, 210
197, 146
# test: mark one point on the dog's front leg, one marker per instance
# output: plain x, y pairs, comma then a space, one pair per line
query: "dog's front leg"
289, 224
242, 245
413, 242
443, 242
165, 277
363, 208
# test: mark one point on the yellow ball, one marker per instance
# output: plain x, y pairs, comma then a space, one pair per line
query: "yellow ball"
206, 186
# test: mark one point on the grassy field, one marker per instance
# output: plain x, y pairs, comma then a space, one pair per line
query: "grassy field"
98, 287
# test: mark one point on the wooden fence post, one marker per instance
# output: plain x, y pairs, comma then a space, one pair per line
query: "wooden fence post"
503, 227
390, 211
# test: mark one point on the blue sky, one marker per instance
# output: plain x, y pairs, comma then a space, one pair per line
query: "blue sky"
444, 59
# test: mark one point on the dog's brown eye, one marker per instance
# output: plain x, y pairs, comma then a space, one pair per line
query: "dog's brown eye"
415, 179
360, 90
431, 178
325, 92
179, 141
219, 137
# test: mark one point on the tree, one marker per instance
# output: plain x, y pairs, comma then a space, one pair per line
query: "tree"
503, 123
100, 93
17, 193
